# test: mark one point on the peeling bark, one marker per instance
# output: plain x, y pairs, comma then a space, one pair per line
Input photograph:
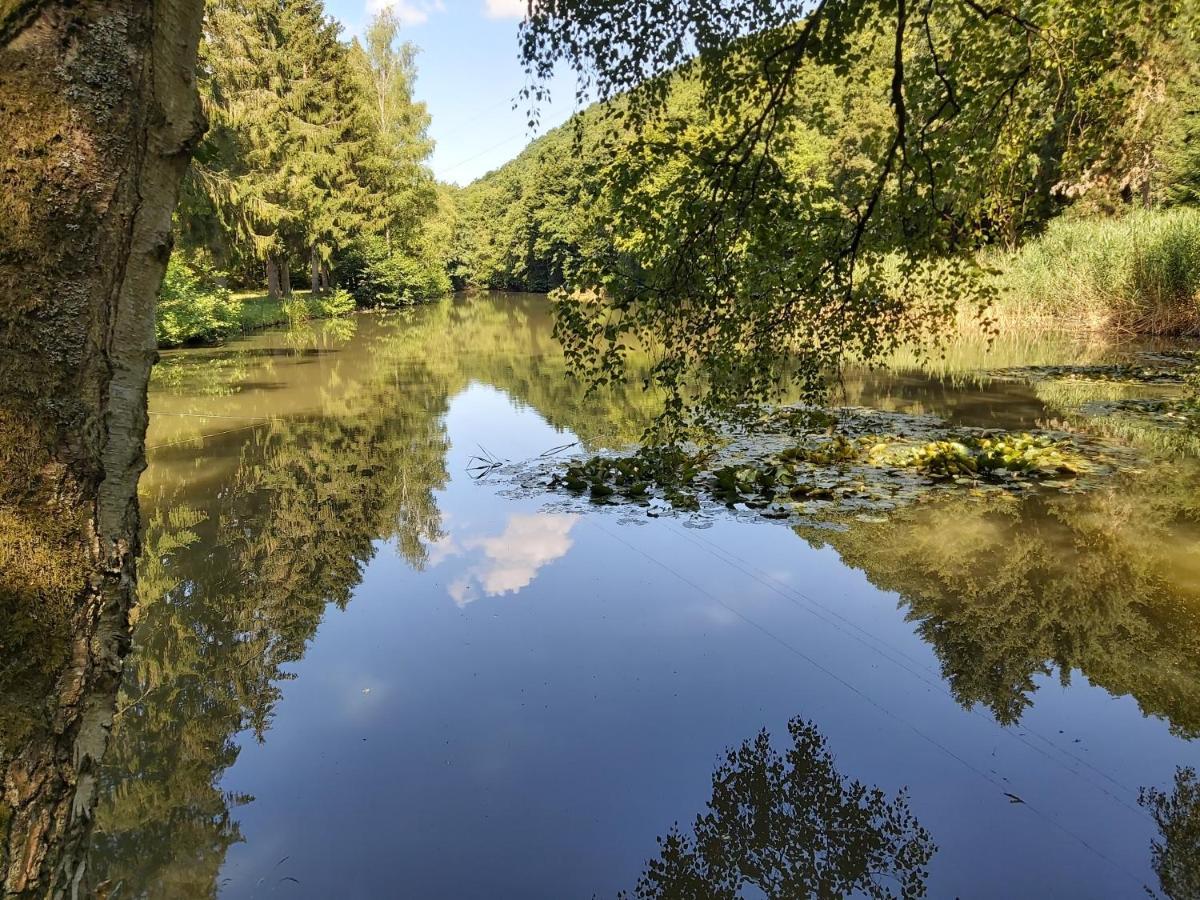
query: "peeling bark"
98, 118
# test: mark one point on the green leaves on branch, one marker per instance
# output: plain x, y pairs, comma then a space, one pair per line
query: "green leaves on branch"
810, 182
193, 308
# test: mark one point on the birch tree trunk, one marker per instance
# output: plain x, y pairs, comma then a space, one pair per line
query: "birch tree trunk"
98, 118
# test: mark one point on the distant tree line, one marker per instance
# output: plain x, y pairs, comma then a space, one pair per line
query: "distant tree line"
527, 225
816, 181
313, 172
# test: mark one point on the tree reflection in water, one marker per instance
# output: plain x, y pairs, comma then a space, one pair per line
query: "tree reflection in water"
1006, 592
242, 561
791, 826
235, 587
1176, 857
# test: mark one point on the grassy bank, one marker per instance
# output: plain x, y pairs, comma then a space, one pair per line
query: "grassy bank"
213, 316
1138, 274
195, 307
257, 310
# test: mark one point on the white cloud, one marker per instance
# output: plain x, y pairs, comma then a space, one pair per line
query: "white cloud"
505, 9
410, 12
513, 558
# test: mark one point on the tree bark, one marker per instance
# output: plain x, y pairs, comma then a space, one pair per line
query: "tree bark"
98, 118
315, 271
285, 276
273, 290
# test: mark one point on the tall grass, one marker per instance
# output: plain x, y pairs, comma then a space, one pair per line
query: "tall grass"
1139, 273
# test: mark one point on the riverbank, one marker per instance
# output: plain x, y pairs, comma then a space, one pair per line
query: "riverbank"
213, 315
1134, 275
1137, 274
216, 315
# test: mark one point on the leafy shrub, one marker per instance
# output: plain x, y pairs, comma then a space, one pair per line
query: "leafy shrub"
338, 302
376, 277
297, 310
192, 307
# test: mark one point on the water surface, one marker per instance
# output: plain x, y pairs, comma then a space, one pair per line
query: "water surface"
360, 671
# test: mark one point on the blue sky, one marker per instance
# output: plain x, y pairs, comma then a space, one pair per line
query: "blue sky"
469, 75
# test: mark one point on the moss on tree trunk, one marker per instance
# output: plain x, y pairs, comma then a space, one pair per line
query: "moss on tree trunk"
98, 117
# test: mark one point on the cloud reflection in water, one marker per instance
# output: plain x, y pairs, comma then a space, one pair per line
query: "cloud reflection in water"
507, 562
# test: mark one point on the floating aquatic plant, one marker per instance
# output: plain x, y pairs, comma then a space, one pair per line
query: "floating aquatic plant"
668, 468
1154, 403
1024, 453
1121, 373
863, 463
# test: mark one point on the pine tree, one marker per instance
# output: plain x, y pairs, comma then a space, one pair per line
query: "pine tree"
317, 147
238, 166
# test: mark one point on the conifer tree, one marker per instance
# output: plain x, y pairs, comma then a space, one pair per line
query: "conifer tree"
317, 147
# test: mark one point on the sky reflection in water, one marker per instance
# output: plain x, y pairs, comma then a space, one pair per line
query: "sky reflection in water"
360, 672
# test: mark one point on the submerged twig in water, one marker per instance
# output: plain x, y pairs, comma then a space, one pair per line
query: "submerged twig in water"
481, 466
555, 450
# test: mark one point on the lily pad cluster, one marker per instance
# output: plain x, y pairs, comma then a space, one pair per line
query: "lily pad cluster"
669, 469
1183, 412
1034, 456
794, 463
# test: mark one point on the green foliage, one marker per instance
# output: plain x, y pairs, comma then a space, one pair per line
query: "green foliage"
1176, 857
192, 307
842, 464
522, 226
297, 310
377, 277
315, 145
1034, 456
338, 302
812, 181
1140, 273
668, 468
791, 826
402, 197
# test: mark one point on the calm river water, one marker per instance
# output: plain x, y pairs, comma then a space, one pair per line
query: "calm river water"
360, 672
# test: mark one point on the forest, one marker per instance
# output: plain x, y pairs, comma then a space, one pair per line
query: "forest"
312, 173
311, 194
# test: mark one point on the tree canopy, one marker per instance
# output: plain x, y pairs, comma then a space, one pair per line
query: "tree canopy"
812, 180
315, 155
